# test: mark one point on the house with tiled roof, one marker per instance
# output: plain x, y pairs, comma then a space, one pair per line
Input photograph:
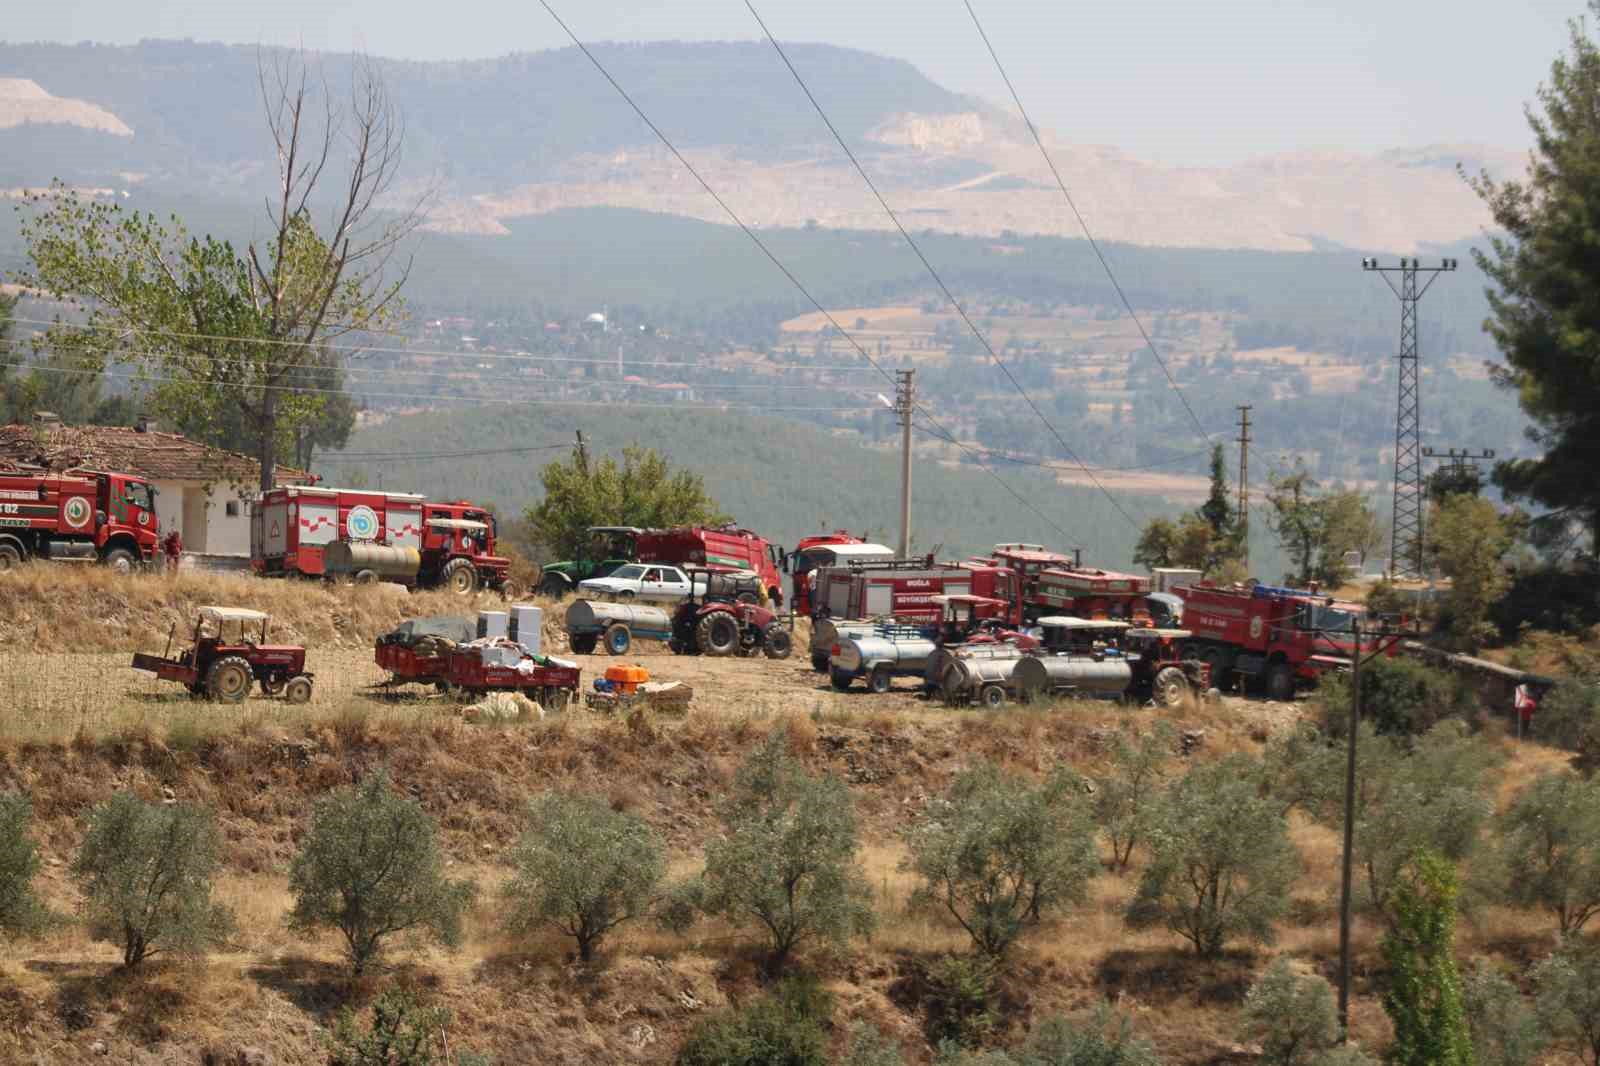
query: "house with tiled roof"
202, 491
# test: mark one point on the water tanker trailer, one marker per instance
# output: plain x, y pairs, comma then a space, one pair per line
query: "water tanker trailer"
826, 632
614, 626
982, 672
1072, 675
366, 563
890, 651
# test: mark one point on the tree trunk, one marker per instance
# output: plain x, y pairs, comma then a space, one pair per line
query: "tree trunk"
267, 446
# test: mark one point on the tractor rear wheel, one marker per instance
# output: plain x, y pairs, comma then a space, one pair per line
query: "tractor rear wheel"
1280, 682
618, 639
584, 643
119, 560
10, 557
229, 679
510, 591
298, 690
776, 642
1171, 687
459, 577
718, 633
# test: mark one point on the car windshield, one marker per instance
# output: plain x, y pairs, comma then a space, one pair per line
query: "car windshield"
1334, 619
628, 573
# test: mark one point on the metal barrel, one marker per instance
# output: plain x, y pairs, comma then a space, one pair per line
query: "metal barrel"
345, 557
588, 615
903, 654
826, 632
1043, 675
964, 676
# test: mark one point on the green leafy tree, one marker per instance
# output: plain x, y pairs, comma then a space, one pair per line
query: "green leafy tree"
1125, 801
1157, 545
1567, 998
370, 867
1424, 998
1291, 1014
1221, 861
1468, 541
1548, 847
223, 334
20, 910
145, 872
1505, 1030
582, 868
1542, 299
1317, 529
641, 491
996, 853
787, 858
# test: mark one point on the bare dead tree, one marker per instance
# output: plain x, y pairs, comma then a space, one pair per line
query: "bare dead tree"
332, 264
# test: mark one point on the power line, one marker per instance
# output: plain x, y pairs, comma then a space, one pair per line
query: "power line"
1045, 464
759, 243
363, 458
1083, 224
960, 310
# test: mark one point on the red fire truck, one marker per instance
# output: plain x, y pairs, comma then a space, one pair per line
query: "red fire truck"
828, 549
373, 536
1084, 592
720, 548
905, 589
1279, 637
80, 516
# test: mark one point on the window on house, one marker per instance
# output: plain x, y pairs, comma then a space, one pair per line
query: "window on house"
233, 508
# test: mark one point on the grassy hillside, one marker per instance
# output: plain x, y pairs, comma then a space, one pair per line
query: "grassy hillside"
779, 477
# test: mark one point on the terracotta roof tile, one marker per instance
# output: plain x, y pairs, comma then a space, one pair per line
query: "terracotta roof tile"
153, 454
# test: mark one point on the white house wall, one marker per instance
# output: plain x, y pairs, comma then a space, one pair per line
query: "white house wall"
224, 534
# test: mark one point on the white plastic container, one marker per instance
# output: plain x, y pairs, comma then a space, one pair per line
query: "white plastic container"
527, 626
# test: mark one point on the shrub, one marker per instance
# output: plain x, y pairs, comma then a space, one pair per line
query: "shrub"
402, 1033
1567, 998
1291, 1014
787, 860
145, 871
1222, 862
870, 1047
958, 1000
1505, 1031
1124, 801
1400, 697
1423, 998
997, 852
582, 868
20, 910
781, 1029
369, 867
1548, 849
1568, 716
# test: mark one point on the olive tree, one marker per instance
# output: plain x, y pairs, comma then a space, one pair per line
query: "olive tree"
1548, 849
371, 868
20, 910
145, 871
1125, 799
1505, 1030
997, 852
1291, 1015
582, 868
787, 858
1222, 862
1567, 998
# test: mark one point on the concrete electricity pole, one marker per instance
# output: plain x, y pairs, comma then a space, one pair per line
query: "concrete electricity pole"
905, 390
1244, 483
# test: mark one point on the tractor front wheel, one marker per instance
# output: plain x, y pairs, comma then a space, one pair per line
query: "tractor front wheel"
718, 634
459, 577
229, 679
298, 690
554, 586
1170, 688
776, 642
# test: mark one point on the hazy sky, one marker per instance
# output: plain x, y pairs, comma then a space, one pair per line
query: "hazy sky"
1173, 80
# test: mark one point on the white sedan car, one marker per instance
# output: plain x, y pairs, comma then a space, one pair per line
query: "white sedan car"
645, 581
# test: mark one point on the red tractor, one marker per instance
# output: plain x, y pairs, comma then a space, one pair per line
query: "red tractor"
224, 669
721, 617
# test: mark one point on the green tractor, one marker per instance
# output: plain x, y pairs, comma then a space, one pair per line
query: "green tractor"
609, 548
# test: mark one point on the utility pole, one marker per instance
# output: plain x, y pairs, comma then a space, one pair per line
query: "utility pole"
1405, 545
1460, 461
905, 390
1244, 482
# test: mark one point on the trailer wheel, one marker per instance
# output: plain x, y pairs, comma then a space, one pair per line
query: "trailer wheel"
992, 696
1280, 682
584, 643
119, 560
819, 662
510, 591
557, 701
718, 634
776, 642
298, 690
229, 679
10, 557
366, 577
880, 680
1171, 687
459, 577
839, 679
618, 639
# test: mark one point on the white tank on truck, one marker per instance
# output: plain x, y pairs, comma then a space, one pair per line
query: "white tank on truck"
889, 652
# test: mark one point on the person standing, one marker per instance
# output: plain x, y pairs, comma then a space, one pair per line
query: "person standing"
172, 546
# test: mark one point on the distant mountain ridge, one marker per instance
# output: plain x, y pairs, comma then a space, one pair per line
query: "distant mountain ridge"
530, 133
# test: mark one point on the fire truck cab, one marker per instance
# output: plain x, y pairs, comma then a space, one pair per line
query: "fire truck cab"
77, 516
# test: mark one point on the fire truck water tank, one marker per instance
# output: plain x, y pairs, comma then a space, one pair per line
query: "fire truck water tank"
1041, 676
343, 557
